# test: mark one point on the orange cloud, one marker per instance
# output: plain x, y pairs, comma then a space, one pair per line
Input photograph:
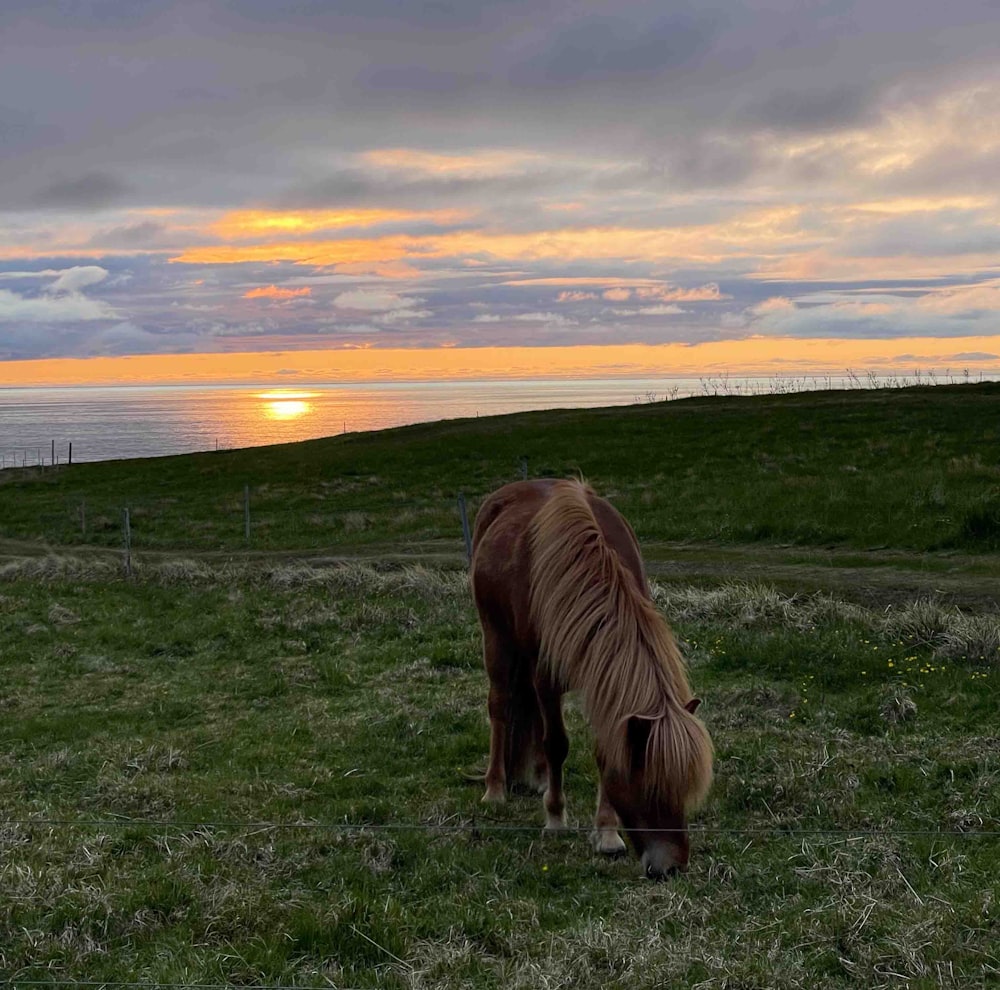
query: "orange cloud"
434, 163
362, 362
273, 292
247, 224
351, 251
692, 244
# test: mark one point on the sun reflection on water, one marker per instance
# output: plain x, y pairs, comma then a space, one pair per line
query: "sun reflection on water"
285, 405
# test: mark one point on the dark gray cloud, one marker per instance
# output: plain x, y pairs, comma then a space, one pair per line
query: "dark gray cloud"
145, 235
95, 190
810, 109
610, 48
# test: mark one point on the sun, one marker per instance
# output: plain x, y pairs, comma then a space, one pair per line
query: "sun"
286, 405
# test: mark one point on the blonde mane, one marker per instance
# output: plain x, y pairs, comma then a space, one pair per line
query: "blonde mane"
601, 635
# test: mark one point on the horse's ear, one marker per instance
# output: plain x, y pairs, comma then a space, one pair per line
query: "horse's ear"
637, 731
692, 705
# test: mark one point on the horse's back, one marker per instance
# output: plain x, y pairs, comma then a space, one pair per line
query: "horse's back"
501, 556
502, 549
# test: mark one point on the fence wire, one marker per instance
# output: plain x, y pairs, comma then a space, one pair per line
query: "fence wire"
477, 828
14, 982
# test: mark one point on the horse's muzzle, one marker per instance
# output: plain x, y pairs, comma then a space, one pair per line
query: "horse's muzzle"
660, 863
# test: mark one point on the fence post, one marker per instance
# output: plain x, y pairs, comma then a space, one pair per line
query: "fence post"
463, 512
246, 513
70, 461
128, 543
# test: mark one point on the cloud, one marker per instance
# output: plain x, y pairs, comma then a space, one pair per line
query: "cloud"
67, 308
775, 304
703, 293
374, 300
402, 315
273, 292
968, 311
458, 171
812, 109
144, 235
667, 309
62, 301
77, 278
603, 48
91, 191
552, 319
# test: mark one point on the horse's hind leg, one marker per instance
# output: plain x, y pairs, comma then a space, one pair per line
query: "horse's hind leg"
605, 837
556, 746
499, 660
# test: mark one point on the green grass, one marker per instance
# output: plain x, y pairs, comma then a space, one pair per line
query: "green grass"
216, 698
248, 765
912, 468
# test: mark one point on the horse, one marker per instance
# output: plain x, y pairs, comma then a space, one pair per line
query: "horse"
563, 604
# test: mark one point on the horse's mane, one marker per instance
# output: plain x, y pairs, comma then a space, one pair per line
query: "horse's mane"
600, 634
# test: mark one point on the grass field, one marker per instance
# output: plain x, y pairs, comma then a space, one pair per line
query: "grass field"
913, 468
250, 768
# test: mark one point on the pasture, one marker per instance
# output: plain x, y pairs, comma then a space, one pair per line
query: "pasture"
250, 767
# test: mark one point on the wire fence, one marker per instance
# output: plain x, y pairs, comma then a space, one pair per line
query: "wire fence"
487, 827
14, 982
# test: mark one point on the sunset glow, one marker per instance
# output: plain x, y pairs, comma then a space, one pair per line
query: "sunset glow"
608, 190
905, 357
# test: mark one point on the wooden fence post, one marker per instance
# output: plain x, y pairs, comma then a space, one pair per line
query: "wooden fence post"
463, 512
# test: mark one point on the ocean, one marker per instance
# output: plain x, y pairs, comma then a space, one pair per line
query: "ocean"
108, 423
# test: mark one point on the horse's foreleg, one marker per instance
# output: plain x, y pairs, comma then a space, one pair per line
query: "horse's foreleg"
556, 746
526, 765
605, 837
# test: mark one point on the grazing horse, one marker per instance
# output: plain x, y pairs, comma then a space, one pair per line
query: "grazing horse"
564, 606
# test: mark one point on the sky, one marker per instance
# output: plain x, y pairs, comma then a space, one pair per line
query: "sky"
187, 188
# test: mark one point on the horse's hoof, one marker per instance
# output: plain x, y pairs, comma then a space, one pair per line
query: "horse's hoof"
608, 843
555, 823
494, 795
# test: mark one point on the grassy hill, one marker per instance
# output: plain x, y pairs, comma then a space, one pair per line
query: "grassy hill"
248, 765
915, 468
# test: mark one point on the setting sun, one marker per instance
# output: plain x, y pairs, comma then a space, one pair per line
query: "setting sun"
285, 405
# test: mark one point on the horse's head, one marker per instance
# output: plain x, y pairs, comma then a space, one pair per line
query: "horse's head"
653, 815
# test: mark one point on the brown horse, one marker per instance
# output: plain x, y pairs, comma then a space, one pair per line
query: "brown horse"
564, 606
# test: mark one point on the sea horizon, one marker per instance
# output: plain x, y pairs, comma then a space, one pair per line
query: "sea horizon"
124, 421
